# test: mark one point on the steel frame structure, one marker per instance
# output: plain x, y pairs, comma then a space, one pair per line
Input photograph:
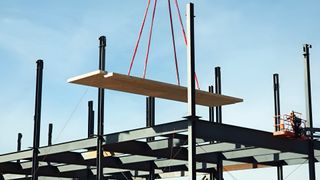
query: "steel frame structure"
190, 145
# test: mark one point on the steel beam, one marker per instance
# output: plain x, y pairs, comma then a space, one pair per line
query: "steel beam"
150, 122
50, 128
90, 119
19, 142
219, 174
102, 56
218, 91
276, 92
221, 132
37, 120
306, 54
90, 132
191, 94
280, 172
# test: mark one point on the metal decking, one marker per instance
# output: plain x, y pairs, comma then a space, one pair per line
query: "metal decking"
130, 154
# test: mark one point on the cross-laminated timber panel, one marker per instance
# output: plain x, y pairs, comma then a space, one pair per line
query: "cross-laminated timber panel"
135, 85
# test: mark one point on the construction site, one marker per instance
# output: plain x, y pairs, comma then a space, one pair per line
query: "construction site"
191, 147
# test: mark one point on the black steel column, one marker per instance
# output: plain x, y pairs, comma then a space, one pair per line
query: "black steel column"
217, 70
50, 134
37, 120
306, 54
307, 77
90, 133
276, 92
102, 55
150, 122
90, 119
219, 174
19, 142
191, 94
211, 119
280, 172
218, 91
211, 109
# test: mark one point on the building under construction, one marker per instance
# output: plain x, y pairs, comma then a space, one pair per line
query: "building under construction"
189, 147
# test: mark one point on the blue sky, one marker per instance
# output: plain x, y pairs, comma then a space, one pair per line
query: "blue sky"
250, 40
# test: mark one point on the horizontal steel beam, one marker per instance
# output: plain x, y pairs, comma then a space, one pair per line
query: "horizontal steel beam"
233, 134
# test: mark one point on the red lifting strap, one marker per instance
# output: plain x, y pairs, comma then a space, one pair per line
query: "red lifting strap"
185, 37
174, 44
139, 37
150, 36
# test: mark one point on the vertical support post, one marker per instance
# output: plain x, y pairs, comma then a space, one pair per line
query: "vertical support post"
211, 119
90, 132
19, 142
102, 55
219, 167
50, 134
280, 172
307, 77
276, 92
211, 109
217, 70
218, 91
306, 54
50, 128
90, 119
37, 120
191, 94
150, 122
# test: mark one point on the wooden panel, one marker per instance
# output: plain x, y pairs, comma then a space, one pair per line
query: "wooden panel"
244, 166
93, 154
135, 85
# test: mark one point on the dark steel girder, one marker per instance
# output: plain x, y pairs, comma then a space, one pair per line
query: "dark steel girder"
233, 134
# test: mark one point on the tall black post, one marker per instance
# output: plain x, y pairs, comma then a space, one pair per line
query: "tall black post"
90, 119
217, 70
276, 93
150, 122
280, 172
101, 110
211, 109
192, 118
218, 91
306, 54
211, 119
37, 120
19, 142
50, 134
90, 133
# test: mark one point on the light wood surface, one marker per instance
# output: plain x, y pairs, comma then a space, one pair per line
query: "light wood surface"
135, 85
244, 166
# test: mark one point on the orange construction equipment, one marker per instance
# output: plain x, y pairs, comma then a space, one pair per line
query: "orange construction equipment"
290, 125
